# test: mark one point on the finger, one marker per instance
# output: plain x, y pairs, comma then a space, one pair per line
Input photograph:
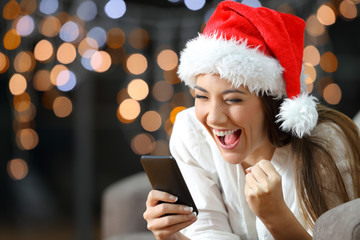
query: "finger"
171, 222
259, 174
269, 169
250, 181
156, 196
162, 233
169, 208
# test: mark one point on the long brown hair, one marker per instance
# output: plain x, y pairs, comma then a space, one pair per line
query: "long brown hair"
314, 163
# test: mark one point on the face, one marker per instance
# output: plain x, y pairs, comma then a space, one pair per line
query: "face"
235, 119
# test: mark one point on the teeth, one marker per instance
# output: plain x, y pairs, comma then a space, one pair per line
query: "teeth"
223, 133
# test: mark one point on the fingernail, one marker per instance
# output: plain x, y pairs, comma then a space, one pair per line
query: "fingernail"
173, 198
188, 209
248, 170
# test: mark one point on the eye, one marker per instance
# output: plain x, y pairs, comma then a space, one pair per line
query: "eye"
234, 100
197, 96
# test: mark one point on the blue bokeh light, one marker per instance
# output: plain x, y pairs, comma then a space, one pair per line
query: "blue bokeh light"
49, 6
87, 11
115, 8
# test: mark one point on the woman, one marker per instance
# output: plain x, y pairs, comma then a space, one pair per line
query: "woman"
261, 158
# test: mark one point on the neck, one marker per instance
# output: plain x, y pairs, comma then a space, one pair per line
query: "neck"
258, 155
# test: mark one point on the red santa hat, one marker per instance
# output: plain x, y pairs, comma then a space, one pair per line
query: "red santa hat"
258, 48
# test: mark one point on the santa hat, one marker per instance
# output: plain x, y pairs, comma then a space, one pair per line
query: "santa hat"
258, 48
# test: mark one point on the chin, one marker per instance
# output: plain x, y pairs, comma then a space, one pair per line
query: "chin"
232, 158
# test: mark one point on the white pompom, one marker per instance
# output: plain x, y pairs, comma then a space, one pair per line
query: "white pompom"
298, 115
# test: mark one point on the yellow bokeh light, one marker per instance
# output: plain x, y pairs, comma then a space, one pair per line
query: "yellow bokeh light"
41, 80
167, 59
348, 9
129, 109
66, 53
11, 10
329, 62
136, 63
62, 107
21, 102
138, 89
171, 76
326, 15
17, 84
100, 61
17, 169
174, 112
142, 143
314, 27
310, 71
311, 55
27, 7
27, 139
43, 50
50, 26
4, 63
24, 62
163, 91
87, 47
55, 72
11, 39
332, 93
115, 38
138, 38
151, 121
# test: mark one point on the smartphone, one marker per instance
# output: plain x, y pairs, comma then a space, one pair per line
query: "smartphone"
165, 175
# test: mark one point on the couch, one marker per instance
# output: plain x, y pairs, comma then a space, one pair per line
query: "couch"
124, 203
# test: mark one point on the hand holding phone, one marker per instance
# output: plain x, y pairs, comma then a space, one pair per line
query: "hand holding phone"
165, 175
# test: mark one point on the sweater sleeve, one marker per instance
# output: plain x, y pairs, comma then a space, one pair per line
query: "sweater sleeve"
188, 147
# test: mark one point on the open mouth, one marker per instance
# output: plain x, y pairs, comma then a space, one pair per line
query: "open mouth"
228, 139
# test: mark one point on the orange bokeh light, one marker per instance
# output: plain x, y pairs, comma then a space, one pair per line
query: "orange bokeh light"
136, 63
167, 60
43, 50
115, 38
138, 89
66, 53
4, 63
50, 26
11, 10
17, 84
11, 39
17, 169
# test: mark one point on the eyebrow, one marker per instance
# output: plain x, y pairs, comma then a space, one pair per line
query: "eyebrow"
224, 92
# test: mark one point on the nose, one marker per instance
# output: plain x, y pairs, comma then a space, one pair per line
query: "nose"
216, 114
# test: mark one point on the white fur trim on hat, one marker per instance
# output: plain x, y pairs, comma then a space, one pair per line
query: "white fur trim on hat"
299, 115
232, 60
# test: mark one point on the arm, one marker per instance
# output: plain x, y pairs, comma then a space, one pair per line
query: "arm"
264, 194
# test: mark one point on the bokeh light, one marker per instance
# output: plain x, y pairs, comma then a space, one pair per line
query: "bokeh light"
174, 112
115, 8
4, 63
43, 50
48, 98
310, 71
50, 26
66, 80
27, 115
129, 109
167, 59
62, 106
115, 38
329, 62
11, 10
98, 34
17, 169
138, 89
326, 15
25, 25
48, 6
27, 7
100, 61
332, 93
139, 38
311, 55
27, 138
87, 47
348, 9
11, 39
171, 76
151, 121
142, 143
136, 63
17, 84
21, 102
41, 80
24, 62
162, 91
161, 147
314, 27
69, 32
66, 53
194, 5
87, 11
54, 73
322, 83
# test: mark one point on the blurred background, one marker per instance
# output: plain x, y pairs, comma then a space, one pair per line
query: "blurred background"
87, 86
